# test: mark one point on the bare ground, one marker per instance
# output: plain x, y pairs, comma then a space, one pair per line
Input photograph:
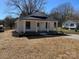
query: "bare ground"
40, 48
73, 36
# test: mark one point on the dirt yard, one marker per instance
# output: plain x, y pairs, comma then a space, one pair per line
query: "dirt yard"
37, 48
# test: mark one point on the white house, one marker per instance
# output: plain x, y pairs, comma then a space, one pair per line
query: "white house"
71, 24
37, 22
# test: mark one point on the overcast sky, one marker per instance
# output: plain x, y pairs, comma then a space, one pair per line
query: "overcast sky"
50, 4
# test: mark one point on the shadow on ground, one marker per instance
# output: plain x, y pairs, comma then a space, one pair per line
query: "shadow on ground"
33, 36
44, 36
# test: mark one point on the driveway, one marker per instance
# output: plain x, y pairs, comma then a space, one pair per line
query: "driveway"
72, 36
1, 35
8, 35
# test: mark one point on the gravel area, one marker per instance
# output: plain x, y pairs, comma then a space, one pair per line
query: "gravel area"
72, 36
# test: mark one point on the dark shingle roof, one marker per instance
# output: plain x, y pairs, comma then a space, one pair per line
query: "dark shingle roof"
37, 16
29, 18
34, 16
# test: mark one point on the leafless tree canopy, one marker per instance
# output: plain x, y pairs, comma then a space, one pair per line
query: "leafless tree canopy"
64, 9
26, 7
62, 12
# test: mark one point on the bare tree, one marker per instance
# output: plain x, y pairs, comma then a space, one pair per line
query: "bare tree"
26, 7
9, 22
64, 9
62, 12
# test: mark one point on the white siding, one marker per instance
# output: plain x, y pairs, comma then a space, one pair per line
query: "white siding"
21, 26
51, 27
33, 26
42, 26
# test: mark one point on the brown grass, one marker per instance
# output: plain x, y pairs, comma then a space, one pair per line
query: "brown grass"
55, 48
43, 48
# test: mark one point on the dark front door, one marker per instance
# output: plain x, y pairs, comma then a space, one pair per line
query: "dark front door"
27, 25
38, 27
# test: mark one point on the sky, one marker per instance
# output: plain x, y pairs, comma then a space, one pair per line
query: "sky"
50, 5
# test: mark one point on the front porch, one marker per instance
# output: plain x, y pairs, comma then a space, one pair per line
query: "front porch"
40, 26
34, 27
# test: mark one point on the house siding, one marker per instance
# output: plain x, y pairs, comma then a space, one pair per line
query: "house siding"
42, 26
52, 27
33, 26
21, 26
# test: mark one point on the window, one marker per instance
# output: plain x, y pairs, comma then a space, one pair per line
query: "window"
54, 24
71, 24
37, 24
27, 25
46, 24
1, 27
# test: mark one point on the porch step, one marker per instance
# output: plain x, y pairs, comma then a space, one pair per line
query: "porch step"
43, 33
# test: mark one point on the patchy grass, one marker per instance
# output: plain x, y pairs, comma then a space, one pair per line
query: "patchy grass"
54, 48
39, 48
68, 31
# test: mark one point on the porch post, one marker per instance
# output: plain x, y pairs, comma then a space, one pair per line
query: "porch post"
36, 26
24, 26
48, 23
56, 26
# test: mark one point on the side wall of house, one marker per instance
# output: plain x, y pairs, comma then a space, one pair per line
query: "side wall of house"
20, 26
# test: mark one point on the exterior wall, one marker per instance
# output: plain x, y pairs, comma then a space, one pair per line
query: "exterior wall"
42, 26
21, 26
33, 26
52, 26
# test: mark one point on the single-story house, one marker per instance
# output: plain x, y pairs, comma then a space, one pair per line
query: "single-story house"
37, 22
71, 24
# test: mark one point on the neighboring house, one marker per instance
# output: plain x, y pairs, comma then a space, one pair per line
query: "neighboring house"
36, 23
71, 24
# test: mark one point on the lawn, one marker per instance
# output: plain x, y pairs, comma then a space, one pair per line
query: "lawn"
38, 48
55, 48
68, 31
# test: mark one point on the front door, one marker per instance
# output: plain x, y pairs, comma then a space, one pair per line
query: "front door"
38, 27
28, 26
